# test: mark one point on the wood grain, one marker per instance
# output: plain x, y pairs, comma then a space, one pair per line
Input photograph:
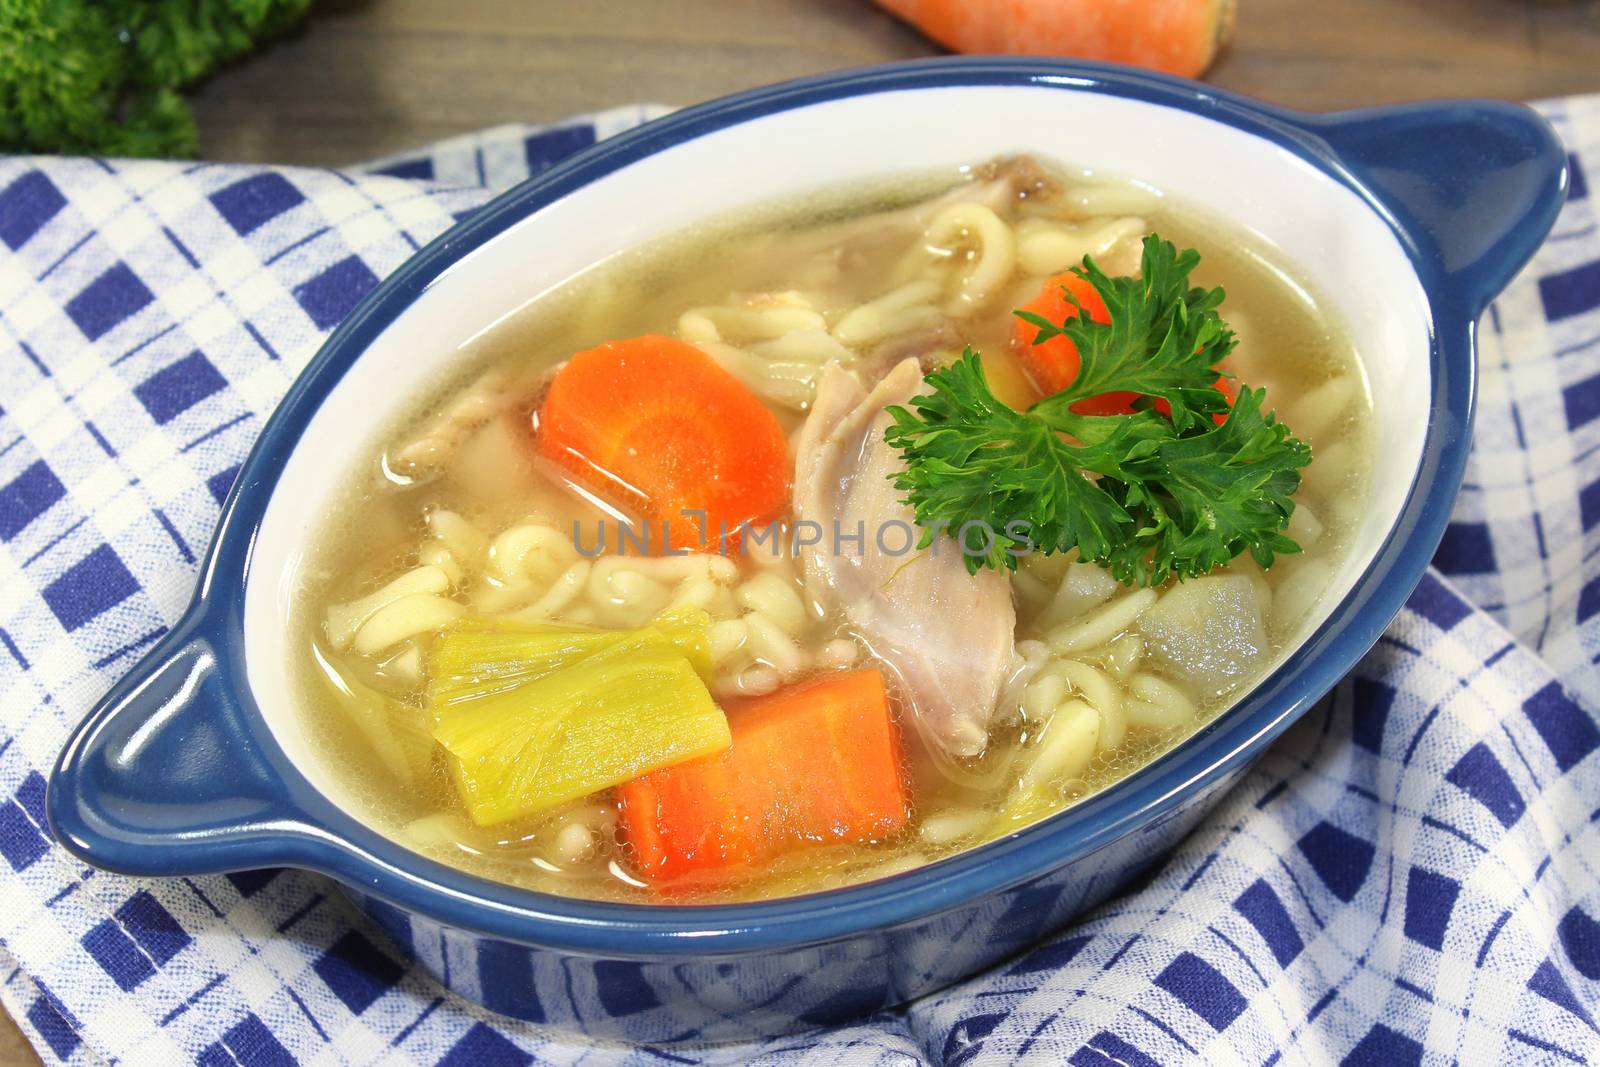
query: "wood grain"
370, 77
366, 78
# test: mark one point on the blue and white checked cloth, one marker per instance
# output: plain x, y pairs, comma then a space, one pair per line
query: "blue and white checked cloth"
1411, 875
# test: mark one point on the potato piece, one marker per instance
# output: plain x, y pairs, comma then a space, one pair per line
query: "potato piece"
1207, 632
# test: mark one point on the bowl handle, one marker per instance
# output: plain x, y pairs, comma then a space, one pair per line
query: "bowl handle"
171, 774
1474, 185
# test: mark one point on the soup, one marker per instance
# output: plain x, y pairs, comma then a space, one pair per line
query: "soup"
823, 542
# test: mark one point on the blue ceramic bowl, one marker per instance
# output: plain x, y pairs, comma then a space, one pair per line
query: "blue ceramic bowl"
1415, 215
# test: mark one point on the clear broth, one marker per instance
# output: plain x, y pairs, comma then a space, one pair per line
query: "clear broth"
1290, 342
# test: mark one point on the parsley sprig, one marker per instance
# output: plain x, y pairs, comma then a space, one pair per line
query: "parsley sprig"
102, 77
1148, 494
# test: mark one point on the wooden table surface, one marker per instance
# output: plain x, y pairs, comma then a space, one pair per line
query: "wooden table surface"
370, 77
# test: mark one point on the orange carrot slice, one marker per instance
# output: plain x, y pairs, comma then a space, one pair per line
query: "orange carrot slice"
656, 427
1177, 36
1054, 364
815, 763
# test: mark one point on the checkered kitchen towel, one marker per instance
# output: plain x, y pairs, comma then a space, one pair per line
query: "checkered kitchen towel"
1411, 875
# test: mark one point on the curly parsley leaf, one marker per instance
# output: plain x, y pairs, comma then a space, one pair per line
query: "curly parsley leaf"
103, 77
976, 465
1163, 340
1147, 495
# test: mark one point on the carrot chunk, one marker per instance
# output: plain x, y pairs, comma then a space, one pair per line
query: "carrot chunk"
656, 427
814, 763
1054, 364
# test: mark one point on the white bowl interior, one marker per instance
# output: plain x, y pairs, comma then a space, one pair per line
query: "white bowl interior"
1337, 243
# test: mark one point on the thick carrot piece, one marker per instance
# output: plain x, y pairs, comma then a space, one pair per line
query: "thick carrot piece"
1177, 36
655, 426
1054, 364
815, 763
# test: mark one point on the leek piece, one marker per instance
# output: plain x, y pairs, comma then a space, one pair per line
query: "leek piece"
394, 731
594, 721
479, 658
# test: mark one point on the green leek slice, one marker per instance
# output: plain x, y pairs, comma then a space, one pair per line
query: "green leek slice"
479, 657
564, 713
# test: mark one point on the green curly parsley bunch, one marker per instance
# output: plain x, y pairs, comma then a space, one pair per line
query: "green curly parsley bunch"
101, 77
1147, 495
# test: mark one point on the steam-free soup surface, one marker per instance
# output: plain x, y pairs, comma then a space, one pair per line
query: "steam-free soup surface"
928, 708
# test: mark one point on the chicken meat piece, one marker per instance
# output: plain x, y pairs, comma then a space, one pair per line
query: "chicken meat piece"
948, 635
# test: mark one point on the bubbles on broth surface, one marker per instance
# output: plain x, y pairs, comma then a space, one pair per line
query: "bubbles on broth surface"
837, 251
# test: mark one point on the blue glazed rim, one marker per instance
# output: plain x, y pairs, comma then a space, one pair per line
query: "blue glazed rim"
1379, 154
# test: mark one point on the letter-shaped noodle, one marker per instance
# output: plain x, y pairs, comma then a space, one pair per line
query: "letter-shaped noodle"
1044, 248
531, 550
1119, 199
776, 599
994, 261
465, 541
343, 620
772, 646
1093, 685
1164, 704
1068, 744
567, 588
727, 639
1103, 625
897, 311
407, 617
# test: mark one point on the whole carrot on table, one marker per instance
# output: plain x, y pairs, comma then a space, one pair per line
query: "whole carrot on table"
1176, 36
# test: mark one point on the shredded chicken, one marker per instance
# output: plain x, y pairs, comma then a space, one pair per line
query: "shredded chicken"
947, 634
925, 346
466, 411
